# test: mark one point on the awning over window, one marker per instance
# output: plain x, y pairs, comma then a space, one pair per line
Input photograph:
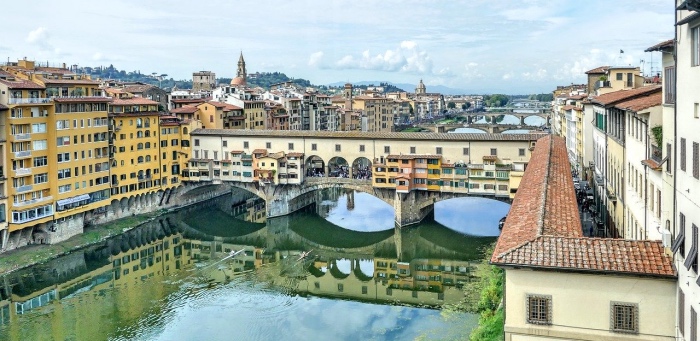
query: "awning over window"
68, 201
680, 239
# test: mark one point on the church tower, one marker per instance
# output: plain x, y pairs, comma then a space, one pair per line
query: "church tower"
241, 68
420, 90
347, 94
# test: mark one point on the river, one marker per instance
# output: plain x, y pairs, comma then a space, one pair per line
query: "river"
337, 270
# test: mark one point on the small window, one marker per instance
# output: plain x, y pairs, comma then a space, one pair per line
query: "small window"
413, 150
196, 142
539, 309
624, 317
313, 146
291, 146
362, 148
494, 151
224, 143
618, 76
337, 148
340, 287
387, 149
465, 151
245, 145
268, 145
521, 152
438, 150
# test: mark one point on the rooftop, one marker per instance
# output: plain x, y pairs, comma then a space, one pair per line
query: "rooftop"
134, 101
543, 228
641, 103
615, 97
664, 45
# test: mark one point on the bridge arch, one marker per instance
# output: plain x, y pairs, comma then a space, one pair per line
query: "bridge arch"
338, 167
315, 166
362, 168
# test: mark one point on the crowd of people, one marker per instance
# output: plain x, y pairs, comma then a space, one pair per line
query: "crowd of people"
315, 173
362, 173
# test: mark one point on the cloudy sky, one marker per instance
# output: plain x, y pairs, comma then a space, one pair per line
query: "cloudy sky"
481, 46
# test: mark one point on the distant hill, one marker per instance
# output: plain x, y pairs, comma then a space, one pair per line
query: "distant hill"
408, 87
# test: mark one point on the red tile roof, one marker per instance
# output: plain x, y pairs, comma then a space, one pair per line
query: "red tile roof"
82, 99
641, 103
616, 97
70, 81
187, 109
661, 46
294, 154
21, 84
134, 101
260, 151
543, 227
568, 107
600, 69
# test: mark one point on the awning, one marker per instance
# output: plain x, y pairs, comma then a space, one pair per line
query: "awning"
688, 19
680, 239
68, 201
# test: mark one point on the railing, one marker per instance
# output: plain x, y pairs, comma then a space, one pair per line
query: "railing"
19, 137
24, 153
23, 171
39, 100
32, 201
24, 188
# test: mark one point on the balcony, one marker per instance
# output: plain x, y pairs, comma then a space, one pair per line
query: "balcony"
656, 153
24, 188
39, 100
23, 154
32, 201
23, 171
22, 137
144, 178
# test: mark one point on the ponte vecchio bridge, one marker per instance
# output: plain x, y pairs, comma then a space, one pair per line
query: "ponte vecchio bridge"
410, 171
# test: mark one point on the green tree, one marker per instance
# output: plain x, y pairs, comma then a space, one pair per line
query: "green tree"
451, 105
466, 105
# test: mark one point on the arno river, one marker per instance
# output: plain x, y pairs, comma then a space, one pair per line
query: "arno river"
337, 270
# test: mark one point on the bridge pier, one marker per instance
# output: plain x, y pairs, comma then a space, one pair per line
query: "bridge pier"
410, 208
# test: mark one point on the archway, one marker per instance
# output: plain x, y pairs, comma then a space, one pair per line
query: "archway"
362, 168
338, 168
315, 166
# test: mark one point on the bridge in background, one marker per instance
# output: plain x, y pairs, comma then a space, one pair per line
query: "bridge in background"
487, 128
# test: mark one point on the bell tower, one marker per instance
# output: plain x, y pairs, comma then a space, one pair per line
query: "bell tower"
241, 68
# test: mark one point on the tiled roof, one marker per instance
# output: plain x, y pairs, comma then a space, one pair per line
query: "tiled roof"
615, 97
237, 152
577, 97
189, 100
651, 163
187, 109
70, 81
568, 107
413, 156
369, 135
294, 154
134, 101
641, 103
600, 69
543, 227
21, 84
490, 157
138, 88
260, 151
661, 46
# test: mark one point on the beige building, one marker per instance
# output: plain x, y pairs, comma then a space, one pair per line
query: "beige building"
559, 285
203, 81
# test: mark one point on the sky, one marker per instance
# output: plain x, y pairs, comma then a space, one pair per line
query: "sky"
479, 46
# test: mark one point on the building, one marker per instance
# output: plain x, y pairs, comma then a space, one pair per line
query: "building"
203, 81
241, 73
563, 286
686, 172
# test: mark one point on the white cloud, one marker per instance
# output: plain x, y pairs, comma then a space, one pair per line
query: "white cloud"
98, 57
507, 76
38, 36
408, 57
315, 58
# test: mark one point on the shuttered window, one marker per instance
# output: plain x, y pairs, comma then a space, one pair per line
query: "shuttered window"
682, 154
696, 160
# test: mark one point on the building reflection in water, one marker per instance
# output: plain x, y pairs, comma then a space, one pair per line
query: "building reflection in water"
425, 266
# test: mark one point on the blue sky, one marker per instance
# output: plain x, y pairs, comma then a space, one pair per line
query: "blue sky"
481, 46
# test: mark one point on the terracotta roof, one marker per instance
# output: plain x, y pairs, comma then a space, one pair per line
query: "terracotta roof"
661, 46
543, 227
187, 109
138, 88
70, 81
369, 135
188, 100
413, 156
490, 157
577, 97
134, 101
294, 154
600, 69
568, 107
652, 164
615, 97
237, 152
260, 151
82, 99
641, 103
21, 84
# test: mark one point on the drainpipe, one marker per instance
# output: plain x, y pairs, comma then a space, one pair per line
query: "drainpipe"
646, 178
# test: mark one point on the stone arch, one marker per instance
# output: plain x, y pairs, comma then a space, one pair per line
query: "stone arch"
315, 166
131, 201
114, 206
338, 167
361, 168
124, 204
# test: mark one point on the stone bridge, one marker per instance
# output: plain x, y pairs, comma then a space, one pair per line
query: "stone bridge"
545, 114
409, 208
487, 128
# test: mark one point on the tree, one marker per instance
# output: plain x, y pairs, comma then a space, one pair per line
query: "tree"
451, 105
466, 105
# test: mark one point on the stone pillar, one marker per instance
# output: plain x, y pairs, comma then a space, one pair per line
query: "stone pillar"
3, 239
522, 120
351, 200
410, 209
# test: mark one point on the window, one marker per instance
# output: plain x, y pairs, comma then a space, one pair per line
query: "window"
438, 150
681, 311
268, 145
41, 178
40, 161
696, 162
290, 146
337, 148
38, 128
668, 157
521, 152
413, 150
669, 82
196, 142
245, 144
683, 154
695, 35
39, 145
539, 309
618, 76
691, 261
362, 148
64, 173
624, 317
494, 151
63, 157
465, 151
313, 146
387, 149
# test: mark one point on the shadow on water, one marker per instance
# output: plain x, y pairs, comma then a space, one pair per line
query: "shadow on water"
212, 221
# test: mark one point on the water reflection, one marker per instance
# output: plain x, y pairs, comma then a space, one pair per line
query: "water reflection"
174, 278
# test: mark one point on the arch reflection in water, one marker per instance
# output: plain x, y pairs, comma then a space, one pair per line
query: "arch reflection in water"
134, 285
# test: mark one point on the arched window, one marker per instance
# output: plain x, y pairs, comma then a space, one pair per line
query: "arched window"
184, 130
148, 158
139, 123
139, 146
122, 162
140, 160
148, 133
148, 145
139, 134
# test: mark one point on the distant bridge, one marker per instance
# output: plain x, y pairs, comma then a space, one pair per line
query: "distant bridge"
487, 128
